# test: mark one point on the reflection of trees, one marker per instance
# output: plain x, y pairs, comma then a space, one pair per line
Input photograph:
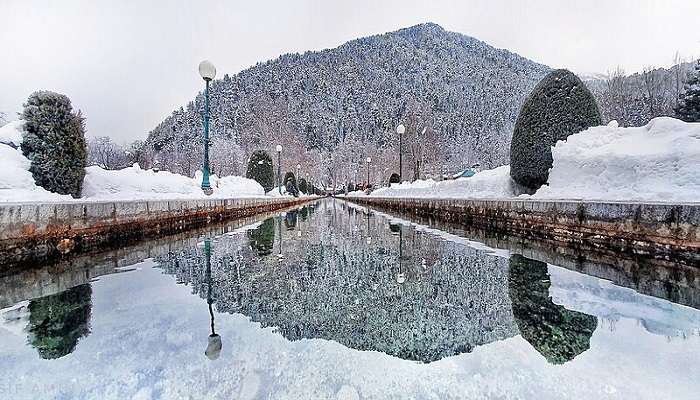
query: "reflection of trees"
262, 238
304, 213
555, 332
58, 321
330, 285
290, 220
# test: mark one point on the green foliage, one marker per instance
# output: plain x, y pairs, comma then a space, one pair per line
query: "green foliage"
289, 176
303, 186
559, 106
688, 108
54, 141
260, 169
394, 178
555, 332
58, 321
262, 238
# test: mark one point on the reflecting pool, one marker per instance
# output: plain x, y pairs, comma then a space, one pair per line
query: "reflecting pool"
336, 301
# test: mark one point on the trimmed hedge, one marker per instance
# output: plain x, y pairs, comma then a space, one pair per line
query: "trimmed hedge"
54, 141
260, 169
559, 106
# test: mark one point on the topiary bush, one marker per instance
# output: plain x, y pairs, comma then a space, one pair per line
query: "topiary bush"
289, 177
54, 141
559, 106
260, 169
394, 178
303, 186
688, 108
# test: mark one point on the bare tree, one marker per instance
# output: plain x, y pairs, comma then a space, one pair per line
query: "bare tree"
655, 91
105, 153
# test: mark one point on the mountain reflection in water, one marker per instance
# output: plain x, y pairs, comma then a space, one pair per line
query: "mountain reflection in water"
357, 279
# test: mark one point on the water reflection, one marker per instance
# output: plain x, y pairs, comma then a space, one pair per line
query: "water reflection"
555, 332
214, 344
373, 285
57, 322
263, 237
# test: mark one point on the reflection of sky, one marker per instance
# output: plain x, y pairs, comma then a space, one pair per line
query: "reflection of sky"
601, 298
149, 335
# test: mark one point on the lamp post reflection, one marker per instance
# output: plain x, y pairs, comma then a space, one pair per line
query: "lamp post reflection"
400, 277
280, 256
369, 236
214, 342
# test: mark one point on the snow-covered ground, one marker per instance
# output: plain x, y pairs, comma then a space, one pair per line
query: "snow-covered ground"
133, 183
136, 183
656, 162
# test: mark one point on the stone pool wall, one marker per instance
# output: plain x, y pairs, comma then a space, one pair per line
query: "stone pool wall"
656, 229
37, 232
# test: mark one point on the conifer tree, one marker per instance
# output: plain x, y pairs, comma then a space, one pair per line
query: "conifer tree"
54, 141
260, 169
559, 106
688, 108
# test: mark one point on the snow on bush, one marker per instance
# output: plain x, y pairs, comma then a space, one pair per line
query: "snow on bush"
656, 162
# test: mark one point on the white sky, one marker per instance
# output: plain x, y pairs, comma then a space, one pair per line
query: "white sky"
127, 64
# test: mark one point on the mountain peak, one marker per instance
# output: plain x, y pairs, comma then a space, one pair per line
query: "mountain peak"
425, 27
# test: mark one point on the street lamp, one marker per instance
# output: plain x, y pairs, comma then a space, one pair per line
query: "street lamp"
369, 160
298, 174
400, 130
208, 72
279, 168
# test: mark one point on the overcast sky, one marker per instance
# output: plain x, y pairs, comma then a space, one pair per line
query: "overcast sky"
128, 64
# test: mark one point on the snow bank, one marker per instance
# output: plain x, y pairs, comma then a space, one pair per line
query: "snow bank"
493, 183
11, 134
135, 183
656, 162
16, 182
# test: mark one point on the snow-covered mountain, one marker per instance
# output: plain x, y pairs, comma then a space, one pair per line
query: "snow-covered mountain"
343, 104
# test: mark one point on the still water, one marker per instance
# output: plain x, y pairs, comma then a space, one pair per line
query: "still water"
335, 301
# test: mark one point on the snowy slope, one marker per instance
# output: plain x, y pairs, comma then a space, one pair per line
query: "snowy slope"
656, 162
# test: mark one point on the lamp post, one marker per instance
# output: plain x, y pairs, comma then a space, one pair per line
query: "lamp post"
400, 130
369, 160
307, 183
208, 72
298, 175
279, 168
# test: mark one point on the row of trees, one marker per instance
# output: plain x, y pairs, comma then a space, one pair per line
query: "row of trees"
633, 100
55, 138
